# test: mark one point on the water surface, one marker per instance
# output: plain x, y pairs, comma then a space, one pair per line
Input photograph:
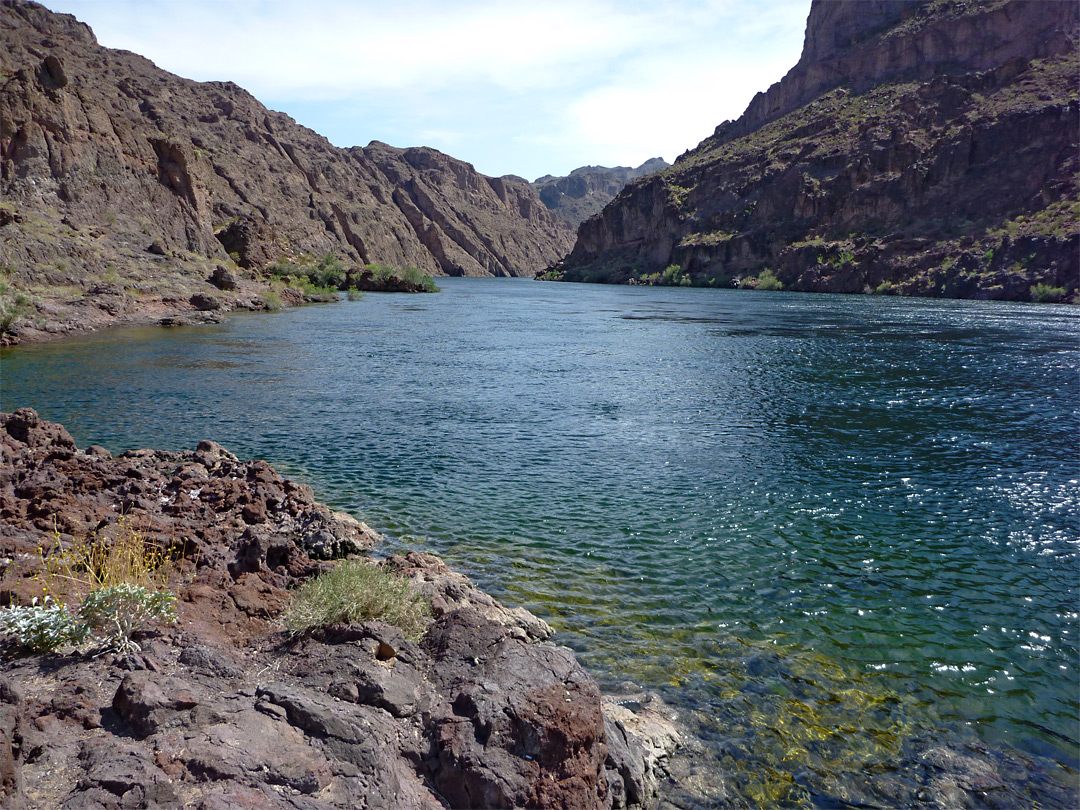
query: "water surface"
881, 491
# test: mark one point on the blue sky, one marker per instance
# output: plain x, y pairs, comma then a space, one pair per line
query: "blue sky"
526, 88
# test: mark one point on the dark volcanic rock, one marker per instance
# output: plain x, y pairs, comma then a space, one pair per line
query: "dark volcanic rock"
114, 170
11, 746
919, 147
224, 279
223, 710
586, 190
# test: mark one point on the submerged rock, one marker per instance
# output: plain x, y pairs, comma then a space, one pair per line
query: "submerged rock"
225, 710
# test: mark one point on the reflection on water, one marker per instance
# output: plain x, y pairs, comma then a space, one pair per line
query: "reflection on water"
888, 486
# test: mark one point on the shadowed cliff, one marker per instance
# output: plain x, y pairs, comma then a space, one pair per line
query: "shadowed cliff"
919, 148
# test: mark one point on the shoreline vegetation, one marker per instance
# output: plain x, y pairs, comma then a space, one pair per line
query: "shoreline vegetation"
44, 313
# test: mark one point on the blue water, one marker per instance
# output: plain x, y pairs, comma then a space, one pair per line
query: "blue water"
879, 489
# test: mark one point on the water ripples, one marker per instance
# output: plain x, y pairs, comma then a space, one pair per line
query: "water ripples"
880, 485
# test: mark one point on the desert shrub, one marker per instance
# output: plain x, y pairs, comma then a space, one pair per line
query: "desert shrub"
419, 279
767, 280
322, 275
887, 288
120, 584
271, 300
1047, 294
381, 272
129, 557
14, 305
43, 627
357, 591
116, 612
329, 272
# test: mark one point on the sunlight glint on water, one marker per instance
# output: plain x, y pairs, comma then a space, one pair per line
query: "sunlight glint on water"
889, 485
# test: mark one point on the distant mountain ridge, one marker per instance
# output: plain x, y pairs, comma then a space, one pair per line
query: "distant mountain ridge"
919, 147
586, 190
124, 186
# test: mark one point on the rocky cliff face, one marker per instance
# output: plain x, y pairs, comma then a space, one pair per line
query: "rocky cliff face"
918, 147
586, 190
125, 184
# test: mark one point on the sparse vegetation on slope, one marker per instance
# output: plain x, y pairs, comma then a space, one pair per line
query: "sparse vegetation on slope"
957, 182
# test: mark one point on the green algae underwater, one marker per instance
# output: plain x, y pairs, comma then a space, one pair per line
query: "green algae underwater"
837, 534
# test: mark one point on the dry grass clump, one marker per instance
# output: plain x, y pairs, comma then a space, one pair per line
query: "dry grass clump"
357, 591
119, 585
129, 557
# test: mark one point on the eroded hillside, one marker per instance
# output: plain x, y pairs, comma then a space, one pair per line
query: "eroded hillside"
125, 186
921, 148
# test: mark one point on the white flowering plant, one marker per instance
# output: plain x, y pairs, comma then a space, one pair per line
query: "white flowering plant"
43, 627
117, 611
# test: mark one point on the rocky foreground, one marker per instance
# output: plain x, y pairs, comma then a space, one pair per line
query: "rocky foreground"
223, 709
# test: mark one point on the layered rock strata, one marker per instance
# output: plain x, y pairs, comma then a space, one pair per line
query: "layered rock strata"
921, 147
224, 710
124, 188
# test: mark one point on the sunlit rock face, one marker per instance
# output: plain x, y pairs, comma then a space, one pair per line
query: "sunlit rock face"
586, 190
124, 185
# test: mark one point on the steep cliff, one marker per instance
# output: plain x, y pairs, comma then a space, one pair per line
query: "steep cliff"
124, 186
586, 190
918, 147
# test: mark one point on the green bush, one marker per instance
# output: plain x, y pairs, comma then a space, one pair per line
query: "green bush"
767, 280
43, 627
357, 591
419, 279
328, 272
1047, 294
308, 274
381, 272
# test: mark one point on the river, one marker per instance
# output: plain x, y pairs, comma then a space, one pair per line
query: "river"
718, 494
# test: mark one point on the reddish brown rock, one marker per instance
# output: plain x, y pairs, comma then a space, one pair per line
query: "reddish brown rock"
11, 746
125, 187
223, 709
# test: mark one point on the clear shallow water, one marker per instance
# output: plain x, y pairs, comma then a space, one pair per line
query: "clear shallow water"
883, 492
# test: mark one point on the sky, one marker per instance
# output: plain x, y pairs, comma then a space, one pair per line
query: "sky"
525, 88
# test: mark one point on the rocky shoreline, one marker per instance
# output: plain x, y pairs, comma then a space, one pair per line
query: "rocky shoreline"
224, 709
107, 305
193, 303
